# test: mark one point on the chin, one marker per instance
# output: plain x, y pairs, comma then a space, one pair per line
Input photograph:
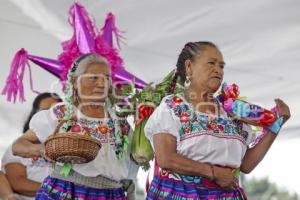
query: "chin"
98, 96
95, 98
95, 101
214, 86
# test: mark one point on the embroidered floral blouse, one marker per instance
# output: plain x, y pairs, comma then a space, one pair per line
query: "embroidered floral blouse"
219, 140
106, 163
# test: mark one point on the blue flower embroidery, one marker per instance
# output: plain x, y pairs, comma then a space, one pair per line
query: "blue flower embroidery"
193, 122
190, 179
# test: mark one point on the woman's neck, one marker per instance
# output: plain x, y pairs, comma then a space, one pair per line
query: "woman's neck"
93, 110
198, 96
201, 100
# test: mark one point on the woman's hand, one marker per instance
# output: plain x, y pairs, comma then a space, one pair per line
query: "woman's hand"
37, 150
255, 154
28, 146
283, 110
224, 177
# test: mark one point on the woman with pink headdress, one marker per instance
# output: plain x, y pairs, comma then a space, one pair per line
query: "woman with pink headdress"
110, 174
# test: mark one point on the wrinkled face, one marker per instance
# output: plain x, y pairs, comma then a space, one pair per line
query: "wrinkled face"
206, 70
46, 103
94, 84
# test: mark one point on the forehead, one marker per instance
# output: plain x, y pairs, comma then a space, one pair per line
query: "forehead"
98, 68
47, 102
211, 52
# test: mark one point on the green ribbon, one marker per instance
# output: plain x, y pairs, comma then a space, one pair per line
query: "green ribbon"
125, 143
65, 170
237, 172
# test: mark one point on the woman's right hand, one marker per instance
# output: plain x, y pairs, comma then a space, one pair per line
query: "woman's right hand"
37, 150
224, 177
28, 146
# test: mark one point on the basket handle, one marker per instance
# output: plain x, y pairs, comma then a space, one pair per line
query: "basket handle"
85, 130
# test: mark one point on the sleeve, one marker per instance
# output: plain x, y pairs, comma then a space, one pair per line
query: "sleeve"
8, 157
249, 132
162, 120
43, 124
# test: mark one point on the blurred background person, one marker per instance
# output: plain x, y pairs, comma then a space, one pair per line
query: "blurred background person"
26, 174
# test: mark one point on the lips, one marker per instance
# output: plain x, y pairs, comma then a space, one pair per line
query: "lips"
217, 77
98, 91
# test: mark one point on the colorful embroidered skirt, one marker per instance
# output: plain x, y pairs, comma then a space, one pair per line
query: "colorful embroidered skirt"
54, 189
171, 189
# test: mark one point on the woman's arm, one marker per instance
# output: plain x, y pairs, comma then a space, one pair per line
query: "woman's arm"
255, 154
5, 189
25, 146
168, 158
17, 177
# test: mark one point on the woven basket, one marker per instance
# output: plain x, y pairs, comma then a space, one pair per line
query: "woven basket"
71, 147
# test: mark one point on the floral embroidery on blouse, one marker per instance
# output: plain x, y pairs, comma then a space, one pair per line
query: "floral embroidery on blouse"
194, 124
102, 130
39, 161
185, 178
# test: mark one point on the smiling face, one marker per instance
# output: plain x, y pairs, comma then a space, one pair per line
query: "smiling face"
206, 70
93, 85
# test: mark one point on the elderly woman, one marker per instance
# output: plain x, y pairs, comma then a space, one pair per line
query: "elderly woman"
88, 88
197, 145
26, 174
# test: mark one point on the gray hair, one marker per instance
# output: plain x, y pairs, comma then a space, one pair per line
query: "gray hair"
86, 60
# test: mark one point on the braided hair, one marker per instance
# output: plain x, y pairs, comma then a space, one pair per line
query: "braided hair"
189, 52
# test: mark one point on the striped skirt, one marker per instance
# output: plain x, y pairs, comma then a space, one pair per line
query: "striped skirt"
162, 188
53, 188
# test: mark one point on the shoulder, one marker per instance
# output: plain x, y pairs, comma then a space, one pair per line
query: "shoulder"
171, 101
58, 110
44, 122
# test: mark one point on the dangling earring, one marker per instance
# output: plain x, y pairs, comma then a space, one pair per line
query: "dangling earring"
75, 96
187, 82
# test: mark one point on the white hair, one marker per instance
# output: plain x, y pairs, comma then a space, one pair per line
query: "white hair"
86, 60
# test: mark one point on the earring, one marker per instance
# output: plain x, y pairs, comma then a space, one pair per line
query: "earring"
187, 82
76, 96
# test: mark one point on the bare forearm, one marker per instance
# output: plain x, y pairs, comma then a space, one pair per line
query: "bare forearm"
255, 154
25, 186
25, 148
168, 158
183, 165
5, 189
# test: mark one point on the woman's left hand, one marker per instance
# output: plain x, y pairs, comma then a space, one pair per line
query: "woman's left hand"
283, 110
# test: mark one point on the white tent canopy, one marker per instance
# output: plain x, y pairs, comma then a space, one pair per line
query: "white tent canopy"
260, 41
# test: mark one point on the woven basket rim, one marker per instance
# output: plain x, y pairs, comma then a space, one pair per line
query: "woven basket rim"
72, 135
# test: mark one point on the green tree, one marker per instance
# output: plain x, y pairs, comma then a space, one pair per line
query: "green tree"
263, 189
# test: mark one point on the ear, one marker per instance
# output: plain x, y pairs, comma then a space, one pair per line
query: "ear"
188, 67
74, 83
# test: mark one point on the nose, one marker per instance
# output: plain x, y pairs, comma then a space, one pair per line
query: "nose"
101, 82
218, 71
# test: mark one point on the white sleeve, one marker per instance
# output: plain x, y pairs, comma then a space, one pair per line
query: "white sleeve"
43, 124
8, 157
162, 120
